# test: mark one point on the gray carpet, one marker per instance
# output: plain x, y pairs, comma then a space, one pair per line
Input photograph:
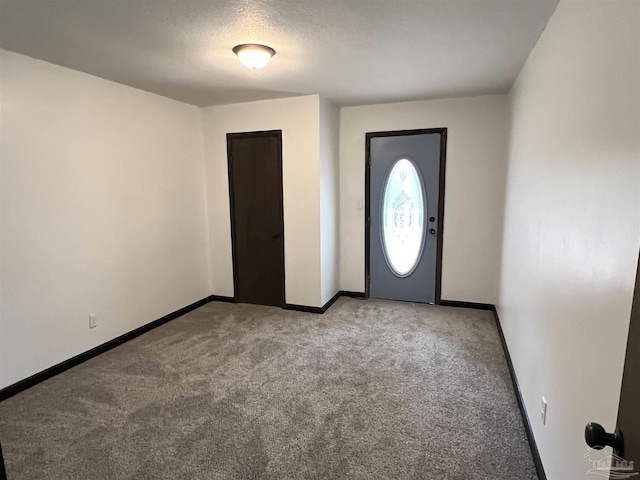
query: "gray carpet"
370, 390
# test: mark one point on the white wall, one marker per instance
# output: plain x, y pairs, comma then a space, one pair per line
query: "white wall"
474, 193
298, 118
572, 223
102, 211
329, 199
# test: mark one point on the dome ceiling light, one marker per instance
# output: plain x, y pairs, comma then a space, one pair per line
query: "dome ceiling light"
253, 55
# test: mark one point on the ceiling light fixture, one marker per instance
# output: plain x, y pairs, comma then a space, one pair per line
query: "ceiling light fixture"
253, 55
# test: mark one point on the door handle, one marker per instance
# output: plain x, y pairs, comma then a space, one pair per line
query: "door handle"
597, 438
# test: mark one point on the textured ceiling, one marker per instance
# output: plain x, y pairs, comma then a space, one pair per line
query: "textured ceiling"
353, 52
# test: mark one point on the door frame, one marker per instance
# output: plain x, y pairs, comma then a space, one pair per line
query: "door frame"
254, 134
367, 200
630, 386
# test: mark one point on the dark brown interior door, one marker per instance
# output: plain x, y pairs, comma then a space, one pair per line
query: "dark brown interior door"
257, 226
625, 440
629, 410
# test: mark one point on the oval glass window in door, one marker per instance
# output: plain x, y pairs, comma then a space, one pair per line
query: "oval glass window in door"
402, 226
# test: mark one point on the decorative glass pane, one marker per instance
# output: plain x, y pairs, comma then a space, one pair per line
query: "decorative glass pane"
402, 225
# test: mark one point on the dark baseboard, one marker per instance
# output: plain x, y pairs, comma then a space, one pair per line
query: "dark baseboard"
303, 308
28, 382
535, 453
325, 307
477, 306
308, 309
346, 293
219, 298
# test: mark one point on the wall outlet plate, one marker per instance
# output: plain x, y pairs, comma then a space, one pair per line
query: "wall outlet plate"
93, 320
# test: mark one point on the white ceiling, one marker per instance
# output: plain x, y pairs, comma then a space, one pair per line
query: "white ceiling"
353, 52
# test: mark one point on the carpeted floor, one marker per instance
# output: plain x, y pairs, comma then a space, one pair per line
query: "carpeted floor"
372, 389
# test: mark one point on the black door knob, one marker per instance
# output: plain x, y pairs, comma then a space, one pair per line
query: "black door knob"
597, 438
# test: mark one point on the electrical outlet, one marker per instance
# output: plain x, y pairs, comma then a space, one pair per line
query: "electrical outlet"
93, 320
543, 411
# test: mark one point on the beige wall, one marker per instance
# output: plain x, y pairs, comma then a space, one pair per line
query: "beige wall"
572, 223
102, 211
329, 199
474, 194
298, 118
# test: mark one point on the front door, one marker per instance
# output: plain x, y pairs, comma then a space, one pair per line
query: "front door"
625, 462
405, 180
257, 227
